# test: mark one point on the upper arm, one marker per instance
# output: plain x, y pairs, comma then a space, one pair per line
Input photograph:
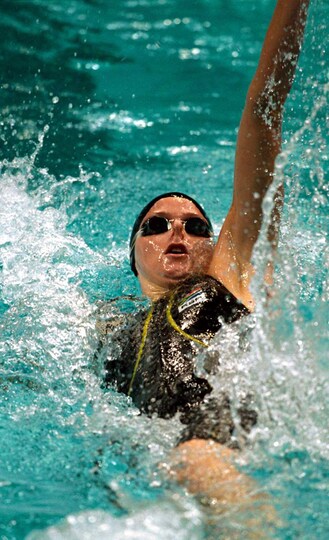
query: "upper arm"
257, 147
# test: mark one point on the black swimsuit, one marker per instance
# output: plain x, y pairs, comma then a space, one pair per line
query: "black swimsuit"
156, 364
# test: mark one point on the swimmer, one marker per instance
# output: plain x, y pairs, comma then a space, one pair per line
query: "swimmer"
196, 285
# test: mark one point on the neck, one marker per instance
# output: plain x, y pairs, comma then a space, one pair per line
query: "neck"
154, 291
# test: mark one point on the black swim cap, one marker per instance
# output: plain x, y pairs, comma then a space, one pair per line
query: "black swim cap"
143, 213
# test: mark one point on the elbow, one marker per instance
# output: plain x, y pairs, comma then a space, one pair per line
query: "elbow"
267, 94
266, 113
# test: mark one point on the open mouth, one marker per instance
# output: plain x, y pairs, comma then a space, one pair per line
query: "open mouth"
176, 249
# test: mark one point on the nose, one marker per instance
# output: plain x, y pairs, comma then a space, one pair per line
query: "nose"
177, 228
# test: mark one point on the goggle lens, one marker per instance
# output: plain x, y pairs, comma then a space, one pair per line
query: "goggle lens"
197, 227
159, 225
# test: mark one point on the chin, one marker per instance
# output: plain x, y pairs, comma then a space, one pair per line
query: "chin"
173, 277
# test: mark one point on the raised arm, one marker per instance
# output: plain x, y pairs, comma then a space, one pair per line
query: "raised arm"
258, 144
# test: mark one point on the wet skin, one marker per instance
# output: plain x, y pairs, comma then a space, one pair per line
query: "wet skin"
163, 260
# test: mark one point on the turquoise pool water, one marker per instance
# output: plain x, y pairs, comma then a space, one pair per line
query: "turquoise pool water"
104, 105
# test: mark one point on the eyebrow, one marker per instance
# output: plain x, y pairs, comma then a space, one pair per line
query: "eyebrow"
169, 215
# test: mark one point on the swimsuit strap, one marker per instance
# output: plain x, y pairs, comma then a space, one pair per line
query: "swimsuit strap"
141, 347
172, 323
175, 326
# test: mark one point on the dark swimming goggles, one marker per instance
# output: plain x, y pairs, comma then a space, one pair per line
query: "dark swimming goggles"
159, 225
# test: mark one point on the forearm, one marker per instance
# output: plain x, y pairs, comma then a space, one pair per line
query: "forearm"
259, 140
276, 69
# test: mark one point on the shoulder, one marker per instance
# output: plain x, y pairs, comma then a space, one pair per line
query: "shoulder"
116, 326
195, 286
208, 293
108, 319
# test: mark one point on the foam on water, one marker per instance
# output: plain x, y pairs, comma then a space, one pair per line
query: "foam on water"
78, 438
165, 520
291, 333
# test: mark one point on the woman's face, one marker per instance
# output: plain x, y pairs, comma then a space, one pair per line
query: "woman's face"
167, 258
